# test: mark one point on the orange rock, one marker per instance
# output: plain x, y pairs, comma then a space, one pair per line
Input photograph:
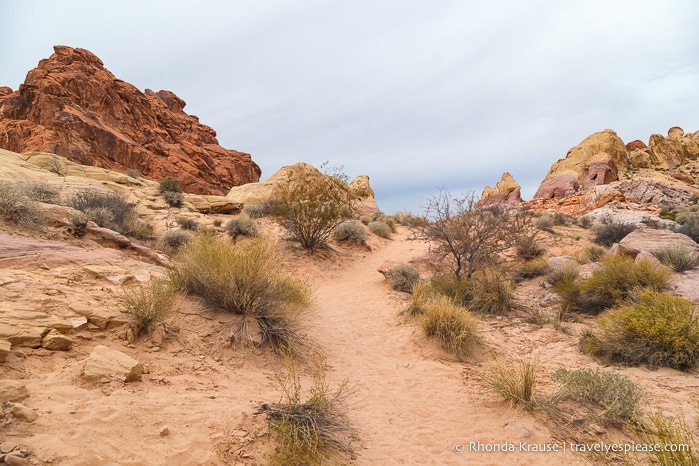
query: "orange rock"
72, 106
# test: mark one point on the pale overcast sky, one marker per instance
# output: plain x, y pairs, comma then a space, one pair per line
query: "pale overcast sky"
417, 94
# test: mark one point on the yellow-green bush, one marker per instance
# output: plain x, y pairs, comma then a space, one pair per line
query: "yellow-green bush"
515, 383
454, 328
491, 292
247, 280
661, 329
671, 432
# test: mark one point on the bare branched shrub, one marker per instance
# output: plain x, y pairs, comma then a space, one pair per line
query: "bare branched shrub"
380, 229
310, 432
310, 205
679, 257
241, 226
515, 383
146, 307
248, 280
403, 278
468, 236
351, 232
454, 328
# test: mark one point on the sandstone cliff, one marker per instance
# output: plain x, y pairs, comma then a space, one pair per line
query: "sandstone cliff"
506, 191
73, 106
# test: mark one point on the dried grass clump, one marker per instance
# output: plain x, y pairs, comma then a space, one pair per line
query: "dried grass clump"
170, 185
409, 219
491, 292
679, 257
403, 278
530, 269
351, 231
661, 330
380, 229
241, 226
516, 383
108, 210
146, 307
545, 223
567, 271
17, 208
248, 280
528, 248
454, 328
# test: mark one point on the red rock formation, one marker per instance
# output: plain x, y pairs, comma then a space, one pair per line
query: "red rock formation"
72, 106
599, 169
506, 191
558, 187
634, 145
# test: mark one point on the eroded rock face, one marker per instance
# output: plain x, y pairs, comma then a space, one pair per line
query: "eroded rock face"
651, 240
558, 187
506, 191
72, 106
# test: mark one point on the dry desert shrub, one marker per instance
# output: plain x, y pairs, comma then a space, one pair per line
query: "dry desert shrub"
173, 240
514, 383
545, 223
454, 328
403, 278
170, 185
679, 257
351, 232
610, 232
380, 229
40, 192
408, 219
530, 269
422, 294
528, 248
188, 223
17, 208
241, 226
146, 307
568, 271
594, 253
491, 292
110, 210
248, 280
660, 329
173, 199
314, 431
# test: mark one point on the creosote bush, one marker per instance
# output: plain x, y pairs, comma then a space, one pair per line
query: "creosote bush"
615, 398
515, 383
380, 229
454, 328
679, 257
351, 232
17, 208
610, 232
248, 280
660, 329
241, 226
146, 307
403, 278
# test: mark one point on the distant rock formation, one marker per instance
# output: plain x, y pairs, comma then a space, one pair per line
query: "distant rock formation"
506, 191
666, 152
72, 106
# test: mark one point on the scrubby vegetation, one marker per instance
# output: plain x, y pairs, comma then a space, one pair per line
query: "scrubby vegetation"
146, 307
569, 272
241, 226
660, 329
454, 328
188, 223
248, 280
610, 232
380, 229
171, 191
669, 431
528, 248
110, 210
17, 208
491, 292
545, 223
173, 240
403, 278
351, 232
530, 269
679, 257
516, 384
618, 280
409, 219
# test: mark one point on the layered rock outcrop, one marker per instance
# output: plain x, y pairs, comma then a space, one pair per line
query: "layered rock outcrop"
71, 105
506, 191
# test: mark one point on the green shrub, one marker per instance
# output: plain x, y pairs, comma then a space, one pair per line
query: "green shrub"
170, 185
492, 292
403, 278
17, 208
617, 398
241, 226
146, 307
188, 223
530, 269
108, 210
380, 229
569, 271
173, 240
516, 384
679, 257
612, 232
454, 328
661, 330
672, 432
351, 232
173, 199
248, 280
618, 280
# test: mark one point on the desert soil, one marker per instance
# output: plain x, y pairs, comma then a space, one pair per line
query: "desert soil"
412, 402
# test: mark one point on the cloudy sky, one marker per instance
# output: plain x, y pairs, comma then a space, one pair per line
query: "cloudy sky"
417, 94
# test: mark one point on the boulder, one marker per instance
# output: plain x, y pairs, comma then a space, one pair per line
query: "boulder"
651, 240
56, 341
364, 201
12, 390
646, 256
71, 105
106, 362
24, 413
636, 217
506, 191
557, 262
5, 347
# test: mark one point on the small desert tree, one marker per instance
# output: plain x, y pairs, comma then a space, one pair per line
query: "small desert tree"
310, 204
470, 236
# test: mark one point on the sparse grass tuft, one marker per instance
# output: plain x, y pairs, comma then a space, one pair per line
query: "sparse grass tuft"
594, 253
146, 307
351, 231
612, 232
380, 229
661, 329
491, 292
454, 328
241, 226
403, 278
679, 257
516, 384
